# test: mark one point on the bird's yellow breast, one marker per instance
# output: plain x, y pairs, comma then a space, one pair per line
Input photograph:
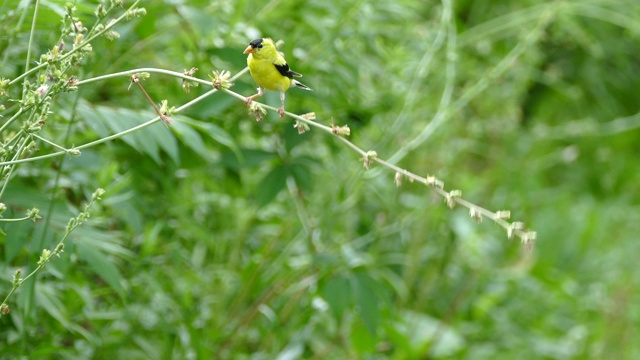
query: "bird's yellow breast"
266, 75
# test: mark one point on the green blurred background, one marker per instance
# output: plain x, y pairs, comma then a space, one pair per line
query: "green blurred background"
226, 238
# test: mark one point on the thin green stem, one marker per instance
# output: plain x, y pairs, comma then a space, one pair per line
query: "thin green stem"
48, 254
526, 235
56, 182
303, 214
99, 19
295, 116
35, 158
17, 155
31, 34
141, 70
49, 142
452, 197
6, 299
43, 263
15, 220
11, 120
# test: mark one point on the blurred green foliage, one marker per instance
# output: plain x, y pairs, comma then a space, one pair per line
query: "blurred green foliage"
220, 237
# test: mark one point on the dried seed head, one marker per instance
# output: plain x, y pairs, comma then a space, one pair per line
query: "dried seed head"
398, 179
475, 215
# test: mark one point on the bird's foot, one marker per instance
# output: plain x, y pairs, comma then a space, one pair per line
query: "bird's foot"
281, 112
250, 99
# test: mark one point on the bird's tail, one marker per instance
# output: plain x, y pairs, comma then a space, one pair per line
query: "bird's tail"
300, 85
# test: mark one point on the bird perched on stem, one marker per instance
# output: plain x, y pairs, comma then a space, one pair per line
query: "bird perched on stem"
270, 70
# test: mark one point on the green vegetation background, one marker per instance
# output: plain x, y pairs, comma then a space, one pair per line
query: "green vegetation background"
223, 237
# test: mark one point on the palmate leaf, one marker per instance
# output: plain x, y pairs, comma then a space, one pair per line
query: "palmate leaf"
102, 265
99, 249
106, 120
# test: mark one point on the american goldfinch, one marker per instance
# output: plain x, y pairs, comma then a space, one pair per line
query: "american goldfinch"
270, 70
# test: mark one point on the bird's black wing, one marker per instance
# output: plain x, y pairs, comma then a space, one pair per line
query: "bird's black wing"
285, 71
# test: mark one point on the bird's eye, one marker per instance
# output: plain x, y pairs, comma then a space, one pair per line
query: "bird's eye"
260, 46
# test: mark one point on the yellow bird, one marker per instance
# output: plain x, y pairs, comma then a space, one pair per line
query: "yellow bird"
270, 70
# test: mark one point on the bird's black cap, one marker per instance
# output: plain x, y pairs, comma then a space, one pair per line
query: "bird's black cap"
257, 43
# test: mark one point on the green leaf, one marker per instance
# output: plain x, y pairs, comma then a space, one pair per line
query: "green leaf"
246, 158
93, 119
101, 264
118, 121
271, 185
292, 138
303, 176
337, 292
361, 339
366, 301
103, 241
26, 297
19, 234
163, 137
190, 138
48, 298
144, 140
214, 131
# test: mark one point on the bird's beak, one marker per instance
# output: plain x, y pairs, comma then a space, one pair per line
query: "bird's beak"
248, 50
